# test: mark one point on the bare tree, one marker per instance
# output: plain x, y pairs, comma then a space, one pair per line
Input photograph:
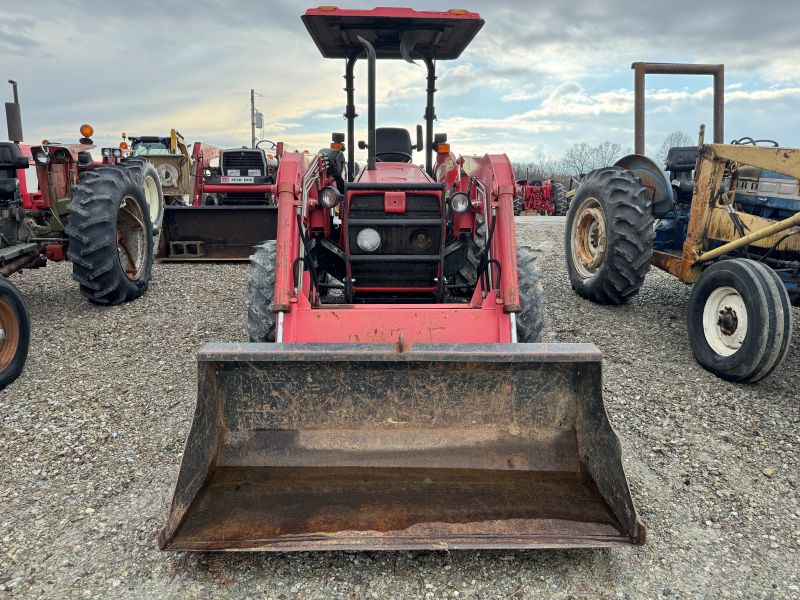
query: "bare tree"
579, 159
582, 158
606, 154
542, 168
674, 139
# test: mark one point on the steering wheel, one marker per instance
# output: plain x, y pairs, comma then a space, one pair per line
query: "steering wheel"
273, 145
406, 154
748, 141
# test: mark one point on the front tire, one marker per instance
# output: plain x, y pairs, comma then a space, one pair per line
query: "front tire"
739, 320
609, 236
530, 320
15, 333
261, 293
110, 236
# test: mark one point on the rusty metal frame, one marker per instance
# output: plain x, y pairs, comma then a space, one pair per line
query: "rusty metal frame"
711, 167
641, 69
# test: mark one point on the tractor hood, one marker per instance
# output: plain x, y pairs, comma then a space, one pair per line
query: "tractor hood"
396, 33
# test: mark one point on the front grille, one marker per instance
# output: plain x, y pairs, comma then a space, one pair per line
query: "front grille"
244, 161
409, 247
241, 198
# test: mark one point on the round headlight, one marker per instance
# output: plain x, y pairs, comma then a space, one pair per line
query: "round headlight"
107, 152
368, 240
459, 202
329, 197
116, 152
43, 157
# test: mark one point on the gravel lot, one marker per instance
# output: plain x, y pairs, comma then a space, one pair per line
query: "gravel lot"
93, 432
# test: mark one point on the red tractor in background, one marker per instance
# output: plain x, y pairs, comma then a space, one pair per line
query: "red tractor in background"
394, 396
100, 216
541, 197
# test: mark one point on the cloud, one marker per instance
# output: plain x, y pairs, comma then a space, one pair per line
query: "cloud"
536, 79
13, 37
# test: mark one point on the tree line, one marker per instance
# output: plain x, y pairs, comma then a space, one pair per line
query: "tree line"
581, 158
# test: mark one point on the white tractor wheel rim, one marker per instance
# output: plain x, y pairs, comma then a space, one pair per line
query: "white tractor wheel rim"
725, 321
151, 197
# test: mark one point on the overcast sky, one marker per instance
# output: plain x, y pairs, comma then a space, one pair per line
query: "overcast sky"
539, 77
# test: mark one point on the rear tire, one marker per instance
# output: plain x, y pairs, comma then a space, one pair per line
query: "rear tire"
261, 293
609, 236
739, 320
519, 206
110, 236
15, 333
530, 320
559, 199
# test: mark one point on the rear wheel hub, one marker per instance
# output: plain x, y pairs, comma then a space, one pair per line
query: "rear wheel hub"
132, 238
589, 239
9, 334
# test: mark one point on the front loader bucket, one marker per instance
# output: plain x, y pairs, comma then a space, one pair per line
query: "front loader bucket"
364, 447
214, 233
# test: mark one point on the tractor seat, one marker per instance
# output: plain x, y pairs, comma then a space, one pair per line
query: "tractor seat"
85, 159
393, 144
682, 159
11, 159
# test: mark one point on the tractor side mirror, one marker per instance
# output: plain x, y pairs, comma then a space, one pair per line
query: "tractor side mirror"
420, 144
439, 138
362, 145
337, 138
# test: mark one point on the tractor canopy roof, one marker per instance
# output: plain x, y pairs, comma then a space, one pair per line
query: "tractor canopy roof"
396, 33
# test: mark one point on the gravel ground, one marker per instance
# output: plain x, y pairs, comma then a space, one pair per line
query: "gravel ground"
93, 432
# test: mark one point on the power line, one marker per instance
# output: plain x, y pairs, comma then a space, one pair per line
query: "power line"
235, 127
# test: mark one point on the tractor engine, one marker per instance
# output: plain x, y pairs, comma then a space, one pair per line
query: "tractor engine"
671, 227
396, 240
758, 192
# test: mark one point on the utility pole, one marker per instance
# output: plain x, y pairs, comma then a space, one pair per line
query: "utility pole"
252, 118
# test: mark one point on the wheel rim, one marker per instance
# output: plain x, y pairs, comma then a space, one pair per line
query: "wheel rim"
131, 238
151, 198
9, 333
725, 321
589, 238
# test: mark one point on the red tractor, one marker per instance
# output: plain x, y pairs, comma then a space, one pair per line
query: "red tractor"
100, 216
541, 197
395, 395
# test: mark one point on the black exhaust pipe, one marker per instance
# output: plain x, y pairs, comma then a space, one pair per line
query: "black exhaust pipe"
371, 59
14, 116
